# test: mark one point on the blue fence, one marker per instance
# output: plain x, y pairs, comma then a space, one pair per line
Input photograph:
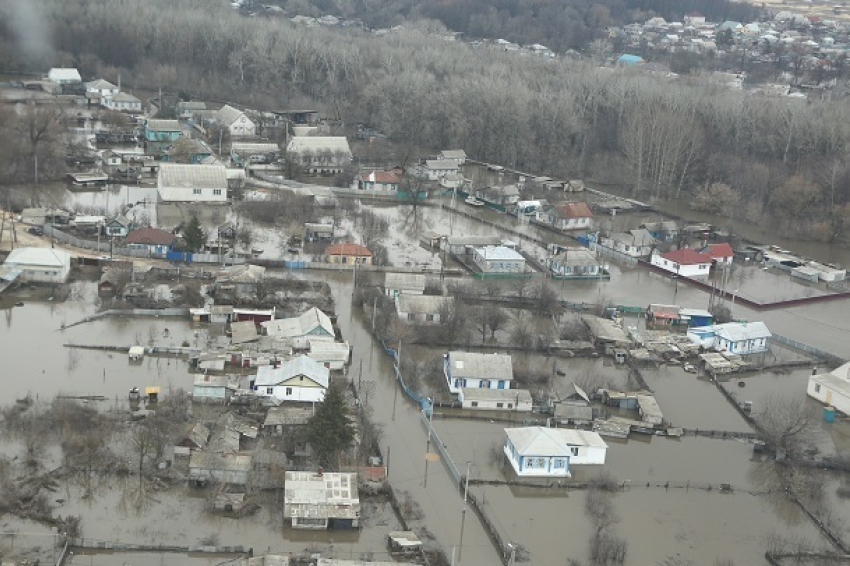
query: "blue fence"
423, 402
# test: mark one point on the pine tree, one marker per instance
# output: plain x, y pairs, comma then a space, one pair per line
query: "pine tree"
329, 428
194, 236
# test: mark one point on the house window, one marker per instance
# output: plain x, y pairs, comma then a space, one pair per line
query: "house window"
196, 191
269, 390
289, 391
574, 450
817, 387
217, 192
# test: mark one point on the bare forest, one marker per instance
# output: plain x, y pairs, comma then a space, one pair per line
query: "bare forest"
760, 160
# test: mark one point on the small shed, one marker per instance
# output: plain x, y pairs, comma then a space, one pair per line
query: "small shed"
403, 543
136, 353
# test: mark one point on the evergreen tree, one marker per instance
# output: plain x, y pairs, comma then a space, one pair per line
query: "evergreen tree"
194, 236
330, 430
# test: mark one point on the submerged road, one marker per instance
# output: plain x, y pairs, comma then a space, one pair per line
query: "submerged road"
404, 439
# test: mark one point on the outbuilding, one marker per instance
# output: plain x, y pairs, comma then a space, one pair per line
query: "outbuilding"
40, 265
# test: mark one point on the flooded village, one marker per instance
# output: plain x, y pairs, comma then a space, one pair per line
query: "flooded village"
277, 350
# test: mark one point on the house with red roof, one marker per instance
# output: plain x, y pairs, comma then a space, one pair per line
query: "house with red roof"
684, 262
151, 239
349, 253
572, 216
721, 254
378, 180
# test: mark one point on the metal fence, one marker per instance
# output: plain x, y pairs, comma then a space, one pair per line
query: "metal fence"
612, 253
441, 448
807, 349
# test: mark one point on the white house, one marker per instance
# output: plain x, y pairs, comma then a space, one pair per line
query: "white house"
474, 370
300, 379
178, 182
236, 121
575, 263
124, 102
64, 76
456, 155
493, 260
684, 262
734, 337
436, 169
549, 452
634, 243
297, 331
518, 400
422, 309
320, 154
832, 389
40, 265
102, 88
396, 284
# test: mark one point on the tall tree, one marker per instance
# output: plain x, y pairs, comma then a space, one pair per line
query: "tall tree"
194, 236
330, 430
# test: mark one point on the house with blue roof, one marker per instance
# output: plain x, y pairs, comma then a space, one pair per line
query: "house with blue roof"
629, 60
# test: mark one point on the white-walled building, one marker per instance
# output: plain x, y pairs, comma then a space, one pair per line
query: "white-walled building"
549, 452
518, 400
299, 379
40, 265
236, 121
832, 389
734, 337
684, 262
474, 370
178, 182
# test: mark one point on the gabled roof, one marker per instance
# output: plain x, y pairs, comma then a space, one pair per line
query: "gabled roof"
303, 144
723, 250
573, 210
576, 257
298, 366
348, 249
380, 176
738, 331
542, 441
300, 325
192, 176
480, 366
101, 84
687, 256
163, 125
228, 115
498, 253
42, 257
149, 235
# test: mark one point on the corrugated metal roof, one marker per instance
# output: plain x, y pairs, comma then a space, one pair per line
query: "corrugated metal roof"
302, 144
472, 365
192, 176
300, 365
541, 441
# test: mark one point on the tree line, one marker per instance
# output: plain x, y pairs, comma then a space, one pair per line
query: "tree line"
786, 159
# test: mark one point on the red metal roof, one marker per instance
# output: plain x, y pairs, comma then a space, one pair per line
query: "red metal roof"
385, 177
150, 236
348, 249
573, 210
687, 256
719, 250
